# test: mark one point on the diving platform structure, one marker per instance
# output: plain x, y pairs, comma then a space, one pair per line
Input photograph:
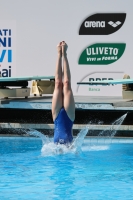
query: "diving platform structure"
127, 86
24, 78
15, 93
107, 82
18, 86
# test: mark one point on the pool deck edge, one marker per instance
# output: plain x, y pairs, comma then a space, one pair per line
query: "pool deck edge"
81, 102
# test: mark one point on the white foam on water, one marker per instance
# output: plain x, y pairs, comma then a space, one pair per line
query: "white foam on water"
96, 148
49, 148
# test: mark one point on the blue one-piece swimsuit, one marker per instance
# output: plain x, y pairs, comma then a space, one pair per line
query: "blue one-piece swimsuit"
63, 128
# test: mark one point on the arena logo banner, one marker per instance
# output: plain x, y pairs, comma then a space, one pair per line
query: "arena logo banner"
102, 24
7, 48
101, 54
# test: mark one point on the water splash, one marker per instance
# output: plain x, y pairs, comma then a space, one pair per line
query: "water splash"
114, 128
77, 143
45, 139
49, 148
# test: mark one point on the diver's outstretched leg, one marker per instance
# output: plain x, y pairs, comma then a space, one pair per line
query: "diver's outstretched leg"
57, 101
68, 103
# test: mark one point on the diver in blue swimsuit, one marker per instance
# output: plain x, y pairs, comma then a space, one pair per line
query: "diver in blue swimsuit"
63, 105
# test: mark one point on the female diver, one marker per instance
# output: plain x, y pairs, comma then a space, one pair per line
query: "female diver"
63, 105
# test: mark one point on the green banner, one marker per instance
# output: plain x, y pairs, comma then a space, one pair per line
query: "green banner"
101, 54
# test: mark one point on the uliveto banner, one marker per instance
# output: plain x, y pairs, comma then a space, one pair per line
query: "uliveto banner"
101, 53
7, 48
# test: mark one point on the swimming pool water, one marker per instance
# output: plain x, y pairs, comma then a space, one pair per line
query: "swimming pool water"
104, 170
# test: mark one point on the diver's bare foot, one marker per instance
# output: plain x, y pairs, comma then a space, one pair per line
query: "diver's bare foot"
59, 49
64, 48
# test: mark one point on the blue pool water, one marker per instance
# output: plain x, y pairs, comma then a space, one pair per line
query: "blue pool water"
103, 170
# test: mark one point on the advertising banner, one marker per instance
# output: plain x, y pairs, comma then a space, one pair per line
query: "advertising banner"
102, 24
101, 90
7, 48
96, 56
98, 34
102, 54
